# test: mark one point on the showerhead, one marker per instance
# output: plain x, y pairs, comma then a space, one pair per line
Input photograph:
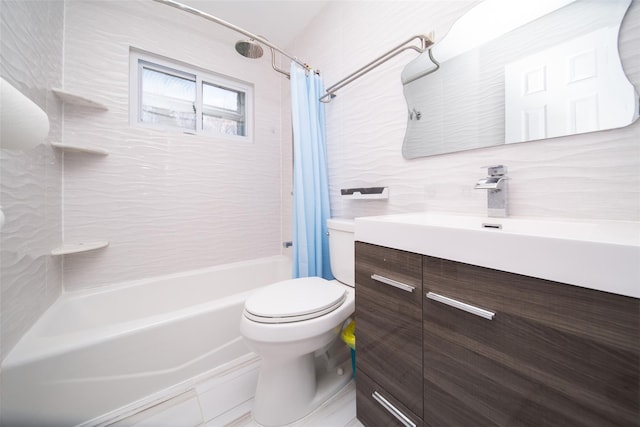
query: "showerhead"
249, 49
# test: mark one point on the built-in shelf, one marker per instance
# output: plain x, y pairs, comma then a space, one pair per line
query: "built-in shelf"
75, 248
365, 193
76, 99
82, 101
80, 149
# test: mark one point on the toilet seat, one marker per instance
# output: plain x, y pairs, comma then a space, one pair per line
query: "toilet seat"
294, 300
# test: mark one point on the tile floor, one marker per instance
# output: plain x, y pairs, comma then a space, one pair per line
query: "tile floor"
339, 411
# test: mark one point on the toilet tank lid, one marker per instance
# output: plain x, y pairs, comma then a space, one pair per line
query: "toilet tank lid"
342, 224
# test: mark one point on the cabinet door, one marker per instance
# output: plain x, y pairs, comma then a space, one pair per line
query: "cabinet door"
553, 354
389, 321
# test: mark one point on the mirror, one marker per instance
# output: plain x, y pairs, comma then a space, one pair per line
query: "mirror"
519, 71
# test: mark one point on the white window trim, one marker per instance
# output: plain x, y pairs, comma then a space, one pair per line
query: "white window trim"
137, 58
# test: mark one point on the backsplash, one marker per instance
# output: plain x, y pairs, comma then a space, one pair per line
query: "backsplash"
594, 176
30, 181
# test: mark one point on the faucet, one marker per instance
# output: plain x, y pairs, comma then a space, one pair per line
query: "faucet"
496, 186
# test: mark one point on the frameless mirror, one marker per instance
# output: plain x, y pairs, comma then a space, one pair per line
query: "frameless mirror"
519, 71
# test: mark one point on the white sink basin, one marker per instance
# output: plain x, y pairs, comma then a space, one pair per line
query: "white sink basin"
602, 255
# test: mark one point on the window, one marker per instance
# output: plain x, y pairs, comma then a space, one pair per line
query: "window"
223, 109
171, 95
167, 98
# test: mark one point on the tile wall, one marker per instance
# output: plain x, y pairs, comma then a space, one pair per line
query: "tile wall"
31, 38
591, 176
167, 202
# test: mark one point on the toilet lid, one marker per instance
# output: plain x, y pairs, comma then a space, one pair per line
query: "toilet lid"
294, 300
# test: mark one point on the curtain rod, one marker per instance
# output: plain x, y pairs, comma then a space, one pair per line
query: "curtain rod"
425, 42
237, 29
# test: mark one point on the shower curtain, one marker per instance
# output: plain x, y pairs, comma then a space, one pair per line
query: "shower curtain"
310, 176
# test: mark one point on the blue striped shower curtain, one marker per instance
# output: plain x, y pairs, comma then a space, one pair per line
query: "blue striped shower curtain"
310, 177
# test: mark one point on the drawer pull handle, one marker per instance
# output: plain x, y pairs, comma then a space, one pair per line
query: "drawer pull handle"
462, 306
393, 410
393, 283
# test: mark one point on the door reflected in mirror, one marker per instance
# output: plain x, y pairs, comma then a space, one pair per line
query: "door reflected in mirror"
554, 72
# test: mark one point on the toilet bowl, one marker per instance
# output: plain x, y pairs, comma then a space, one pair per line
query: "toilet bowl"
294, 326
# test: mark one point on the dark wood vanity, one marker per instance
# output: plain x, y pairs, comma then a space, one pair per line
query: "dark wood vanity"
442, 343
388, 334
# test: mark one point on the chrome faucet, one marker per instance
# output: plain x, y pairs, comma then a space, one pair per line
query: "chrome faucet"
496, 186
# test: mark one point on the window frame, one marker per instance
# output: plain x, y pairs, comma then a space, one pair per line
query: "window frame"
140, 60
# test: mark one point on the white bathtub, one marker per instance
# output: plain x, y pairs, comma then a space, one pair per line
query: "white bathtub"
95, 351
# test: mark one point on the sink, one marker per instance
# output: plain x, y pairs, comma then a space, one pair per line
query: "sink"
601, 255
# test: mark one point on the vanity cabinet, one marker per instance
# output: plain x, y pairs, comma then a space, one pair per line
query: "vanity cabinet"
498, 349
388, 335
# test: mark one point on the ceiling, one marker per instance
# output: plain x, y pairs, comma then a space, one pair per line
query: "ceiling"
279, 21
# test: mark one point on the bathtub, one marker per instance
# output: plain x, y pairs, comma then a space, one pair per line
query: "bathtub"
95, 351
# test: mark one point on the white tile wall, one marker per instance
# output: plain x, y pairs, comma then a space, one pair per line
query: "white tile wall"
167, 202
586, 176
30, 181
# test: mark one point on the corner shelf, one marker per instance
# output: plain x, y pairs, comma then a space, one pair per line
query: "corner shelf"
81, 101
80, 149
75, 99
75, 248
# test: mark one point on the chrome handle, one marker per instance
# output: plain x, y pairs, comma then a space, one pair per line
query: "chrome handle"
393, 410
394, 283
490, 183
461, 305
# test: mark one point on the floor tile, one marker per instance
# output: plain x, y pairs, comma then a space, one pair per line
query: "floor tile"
339, 411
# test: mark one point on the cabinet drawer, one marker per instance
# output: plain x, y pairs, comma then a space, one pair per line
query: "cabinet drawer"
377, 408
552, 355
402, 267
389, 321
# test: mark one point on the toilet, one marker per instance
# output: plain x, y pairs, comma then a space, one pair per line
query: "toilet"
294, 325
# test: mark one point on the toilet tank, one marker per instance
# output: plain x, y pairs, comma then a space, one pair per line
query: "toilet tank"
342, 249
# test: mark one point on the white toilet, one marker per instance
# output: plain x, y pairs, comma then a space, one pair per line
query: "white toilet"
294, 326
